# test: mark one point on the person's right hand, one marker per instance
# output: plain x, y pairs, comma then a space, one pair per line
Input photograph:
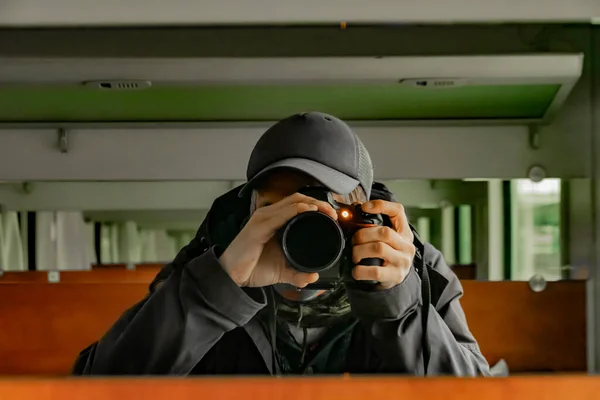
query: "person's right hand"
255, 259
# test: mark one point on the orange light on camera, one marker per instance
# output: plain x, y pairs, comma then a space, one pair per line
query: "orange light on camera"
345, 214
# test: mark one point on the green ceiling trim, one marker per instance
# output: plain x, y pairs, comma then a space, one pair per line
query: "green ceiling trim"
265, 103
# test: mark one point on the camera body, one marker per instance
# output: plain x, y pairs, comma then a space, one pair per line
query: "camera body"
314, 242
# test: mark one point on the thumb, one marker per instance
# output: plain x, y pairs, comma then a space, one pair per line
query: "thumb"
298, 279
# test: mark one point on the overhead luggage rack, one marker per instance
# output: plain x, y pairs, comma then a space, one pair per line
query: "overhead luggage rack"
524, 89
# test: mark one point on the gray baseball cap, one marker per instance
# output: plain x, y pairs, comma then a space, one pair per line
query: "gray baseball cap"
317, 144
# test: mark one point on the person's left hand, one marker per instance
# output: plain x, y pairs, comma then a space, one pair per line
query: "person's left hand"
393, 245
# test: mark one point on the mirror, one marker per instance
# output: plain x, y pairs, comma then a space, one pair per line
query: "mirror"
486, 229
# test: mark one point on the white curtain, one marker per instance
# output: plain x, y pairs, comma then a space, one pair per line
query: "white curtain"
157, 245
130, 246
64, 241
105, 242
127, 243
12, 257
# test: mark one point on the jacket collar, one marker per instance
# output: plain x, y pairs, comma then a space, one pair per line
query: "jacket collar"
225, 218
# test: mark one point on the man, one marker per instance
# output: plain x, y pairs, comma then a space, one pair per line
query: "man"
229, 303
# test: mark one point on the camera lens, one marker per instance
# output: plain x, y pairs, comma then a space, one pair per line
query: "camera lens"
312, 242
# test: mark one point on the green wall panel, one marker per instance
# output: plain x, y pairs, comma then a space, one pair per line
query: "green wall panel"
259, 103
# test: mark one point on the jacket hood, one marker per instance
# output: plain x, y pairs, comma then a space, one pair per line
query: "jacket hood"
220, 226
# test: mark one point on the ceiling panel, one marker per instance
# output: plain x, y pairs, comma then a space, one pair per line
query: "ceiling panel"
277, 12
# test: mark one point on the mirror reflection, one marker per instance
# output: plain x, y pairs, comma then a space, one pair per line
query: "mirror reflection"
106, 243
486, 229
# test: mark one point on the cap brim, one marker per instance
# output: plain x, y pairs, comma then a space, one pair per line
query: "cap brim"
335, 180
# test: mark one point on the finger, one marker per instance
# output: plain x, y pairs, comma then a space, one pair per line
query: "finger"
383, 234
379, 274
298, 279
377, 250
322, 206
393, 210
389, 208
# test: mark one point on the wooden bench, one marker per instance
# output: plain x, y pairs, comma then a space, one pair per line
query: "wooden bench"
44, 326
105, 273
533, 332
100, 275
157, 266
556, 387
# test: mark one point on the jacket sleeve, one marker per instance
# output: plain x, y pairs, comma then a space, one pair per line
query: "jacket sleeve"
176, 325
393, 323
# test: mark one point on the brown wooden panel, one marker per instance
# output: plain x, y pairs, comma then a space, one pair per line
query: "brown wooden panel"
121, 265
150, 265
101, 275
44, 326
107, 266
464, 271
555, 387
532, 331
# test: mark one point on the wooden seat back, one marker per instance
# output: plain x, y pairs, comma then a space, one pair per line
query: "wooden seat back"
43, 326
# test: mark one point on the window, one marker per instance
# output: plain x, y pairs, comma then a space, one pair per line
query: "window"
535, 223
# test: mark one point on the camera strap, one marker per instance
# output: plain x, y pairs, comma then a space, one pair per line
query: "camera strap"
380, 191
422, 271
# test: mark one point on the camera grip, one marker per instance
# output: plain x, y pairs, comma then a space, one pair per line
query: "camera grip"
376, 262
382, 220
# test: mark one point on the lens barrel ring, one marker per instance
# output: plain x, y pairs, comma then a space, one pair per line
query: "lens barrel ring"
313, 242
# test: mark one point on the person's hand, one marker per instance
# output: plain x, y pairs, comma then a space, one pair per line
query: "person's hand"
394, 245
255, 259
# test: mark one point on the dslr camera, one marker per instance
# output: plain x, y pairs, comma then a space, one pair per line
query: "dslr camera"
314, 242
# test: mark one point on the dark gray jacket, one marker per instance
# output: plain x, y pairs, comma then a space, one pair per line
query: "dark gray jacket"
198, 321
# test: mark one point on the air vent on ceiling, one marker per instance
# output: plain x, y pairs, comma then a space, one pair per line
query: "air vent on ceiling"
119, 84
437, 83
